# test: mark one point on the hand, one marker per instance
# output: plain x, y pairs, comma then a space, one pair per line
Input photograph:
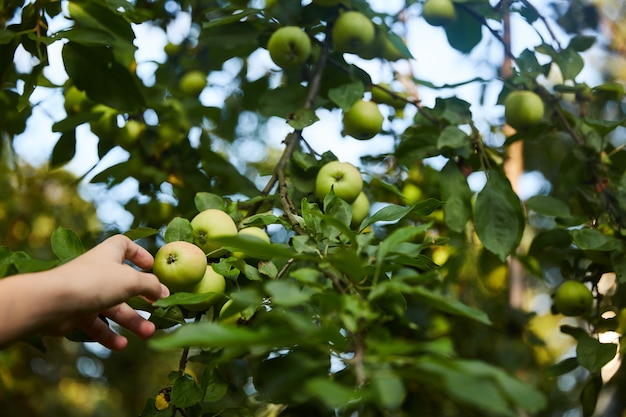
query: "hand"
75, 294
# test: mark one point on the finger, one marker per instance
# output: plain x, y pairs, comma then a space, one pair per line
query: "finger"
128, 318
145, 284
125, 249
100, 332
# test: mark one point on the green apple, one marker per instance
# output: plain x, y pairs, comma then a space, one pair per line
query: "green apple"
252, 232
106, 123
211, 283
573, 298
363, 120
179, 265
344, 179
523, 109
360, 209
439, 12
383, 93
353, 32
192, 82
75, 100
289, 47
390, 51
129, 134
208, 225
411, 193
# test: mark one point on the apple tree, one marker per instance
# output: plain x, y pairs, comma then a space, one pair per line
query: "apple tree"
395, 286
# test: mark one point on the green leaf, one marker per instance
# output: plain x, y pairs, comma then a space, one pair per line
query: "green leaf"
548, 206
528, 64
66, 244
185, 392
450, 305
94, 69
204, 201
141, 233
346, 95
282, 101
563, 367
590, 393
388, 388
331, 393
498, 216
581, 43
593, 239
64, 150
302, 118
210, 334
392, 212
455, 139
592, 354
254, 247
465, 33
456, 194
287, 293
179, 229
184, 299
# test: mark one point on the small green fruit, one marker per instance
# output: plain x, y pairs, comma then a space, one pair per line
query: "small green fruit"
573, 298
252, 232
344, 179
363, 121
212, 283
179, 265
289, 47
360, 209
439, 12
523, 109
208, 225
353, 32
193, 82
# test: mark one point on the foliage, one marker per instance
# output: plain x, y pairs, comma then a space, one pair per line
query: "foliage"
411, 312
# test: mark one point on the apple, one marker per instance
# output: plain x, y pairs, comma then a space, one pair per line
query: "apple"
439, 12
128, 135
383, 93
75, 100
211, 282
252, 232
192, 82
523, 109
411, 193
106, 124
390, 51
289, 47
170, 133
179, 265
210, 224
363, 120
342, 177
234, 317
360, 209
353, 32
573, 298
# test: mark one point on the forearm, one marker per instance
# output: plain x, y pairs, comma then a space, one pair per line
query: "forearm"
27, 303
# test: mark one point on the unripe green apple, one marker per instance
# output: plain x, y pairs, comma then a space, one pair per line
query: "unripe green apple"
363, 121
352, 32
289, 47
193, 82
129, 134
360, 209
573, 298
75, 100
382, 93
106, 124
411, 193
208, 225
252, 232
439, 12
211, 282
344, 179
523, 109
179, 265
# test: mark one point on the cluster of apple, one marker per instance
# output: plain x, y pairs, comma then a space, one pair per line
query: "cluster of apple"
352, 32
186, 266
346, 182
